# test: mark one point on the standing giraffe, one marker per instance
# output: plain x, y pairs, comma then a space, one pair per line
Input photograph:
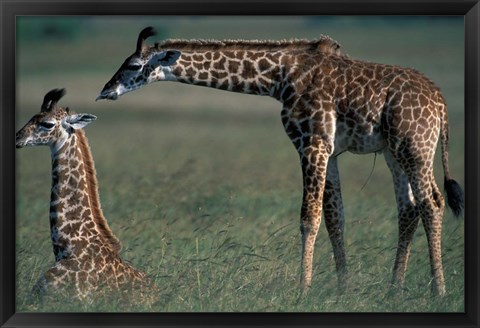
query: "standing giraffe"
86, 250
331, 104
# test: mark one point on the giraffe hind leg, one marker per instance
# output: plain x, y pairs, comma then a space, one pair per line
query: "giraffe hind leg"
430, 206
432, 218
408, 218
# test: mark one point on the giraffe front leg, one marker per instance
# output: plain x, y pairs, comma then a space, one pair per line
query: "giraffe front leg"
314, 173
310, 222
335, 220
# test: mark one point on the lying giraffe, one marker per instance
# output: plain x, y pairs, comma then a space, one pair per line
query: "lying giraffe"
331, 104
86, 250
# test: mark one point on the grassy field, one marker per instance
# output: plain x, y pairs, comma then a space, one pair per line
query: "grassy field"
203, 187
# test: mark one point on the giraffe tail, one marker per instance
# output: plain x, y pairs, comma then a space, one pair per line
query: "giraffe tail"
454, 192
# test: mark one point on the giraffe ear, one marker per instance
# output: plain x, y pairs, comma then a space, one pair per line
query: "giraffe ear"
166, 58
77, 121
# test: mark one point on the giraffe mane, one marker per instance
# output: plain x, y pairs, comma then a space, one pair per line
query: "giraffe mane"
323, 44
92, 187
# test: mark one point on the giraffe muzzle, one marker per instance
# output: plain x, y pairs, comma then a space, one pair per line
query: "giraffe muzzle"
110, 95
19, 140
20, 144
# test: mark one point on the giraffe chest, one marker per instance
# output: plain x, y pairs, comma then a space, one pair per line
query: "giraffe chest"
89, 271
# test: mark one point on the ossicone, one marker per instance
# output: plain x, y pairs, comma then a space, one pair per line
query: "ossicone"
51, 98
144, 34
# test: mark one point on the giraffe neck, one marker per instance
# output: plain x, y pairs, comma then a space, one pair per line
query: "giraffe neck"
76, 219
259, 72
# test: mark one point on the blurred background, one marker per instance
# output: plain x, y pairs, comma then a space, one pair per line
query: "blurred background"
203, 187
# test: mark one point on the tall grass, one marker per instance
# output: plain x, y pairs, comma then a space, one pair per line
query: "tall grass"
203, 187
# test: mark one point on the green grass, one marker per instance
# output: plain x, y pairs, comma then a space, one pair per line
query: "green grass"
203, 187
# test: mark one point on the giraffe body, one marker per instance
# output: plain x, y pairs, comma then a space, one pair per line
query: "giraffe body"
86, 251
331, 104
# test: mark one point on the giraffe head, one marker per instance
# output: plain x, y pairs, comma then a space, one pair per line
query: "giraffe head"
146, 65
53, 126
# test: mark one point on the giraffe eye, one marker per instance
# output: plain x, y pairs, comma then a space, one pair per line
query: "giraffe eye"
134, 67
47, 125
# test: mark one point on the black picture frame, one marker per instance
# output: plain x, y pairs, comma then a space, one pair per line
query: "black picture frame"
10, 9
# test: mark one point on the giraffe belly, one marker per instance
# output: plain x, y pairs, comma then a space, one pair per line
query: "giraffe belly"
359, 140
